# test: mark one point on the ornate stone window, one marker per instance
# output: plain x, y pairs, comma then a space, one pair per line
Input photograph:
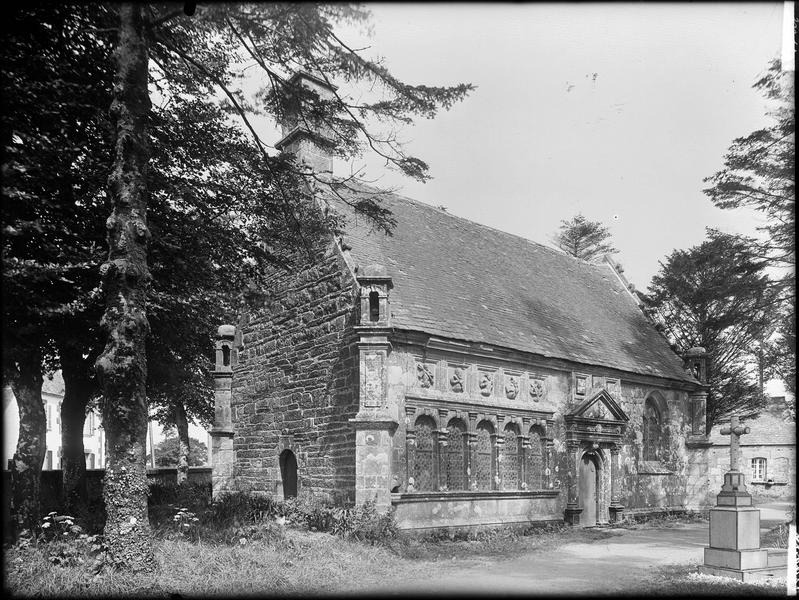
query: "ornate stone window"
535, 458
510, 458
425, 454
653, 430
484, 462
454, 461
759, 471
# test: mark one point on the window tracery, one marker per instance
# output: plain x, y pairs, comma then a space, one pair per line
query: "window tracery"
535, 459
455, 454
510, 459
424, 454
484, 460
654, 433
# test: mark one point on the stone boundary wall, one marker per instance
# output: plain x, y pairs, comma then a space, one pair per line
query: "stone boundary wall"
51, 485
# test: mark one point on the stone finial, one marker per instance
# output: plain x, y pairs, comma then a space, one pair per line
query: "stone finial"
225, 356
696, 363
226, 331
375, 284
374, 271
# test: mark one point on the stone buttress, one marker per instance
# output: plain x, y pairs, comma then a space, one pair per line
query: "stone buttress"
374, 425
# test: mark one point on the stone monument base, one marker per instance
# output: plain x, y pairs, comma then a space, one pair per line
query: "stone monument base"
746, 565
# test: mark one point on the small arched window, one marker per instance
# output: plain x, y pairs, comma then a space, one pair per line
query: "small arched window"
226, 356
653, 429
510, 458
455, 452
484, 460
425, 454
535, 458
374, 307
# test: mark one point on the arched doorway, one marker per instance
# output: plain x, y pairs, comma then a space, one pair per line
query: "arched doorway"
288, 472
587, 487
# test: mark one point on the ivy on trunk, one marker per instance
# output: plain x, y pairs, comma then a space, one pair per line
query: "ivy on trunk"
122, 366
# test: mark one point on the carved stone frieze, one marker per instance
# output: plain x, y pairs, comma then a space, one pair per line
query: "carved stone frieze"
486, 384
537, 389
425, 375
512, 387
457, 380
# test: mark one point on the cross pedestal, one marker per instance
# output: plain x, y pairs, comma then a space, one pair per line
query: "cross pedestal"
734, 549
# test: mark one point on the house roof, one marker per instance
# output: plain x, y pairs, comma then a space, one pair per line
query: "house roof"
461, 280
771, 427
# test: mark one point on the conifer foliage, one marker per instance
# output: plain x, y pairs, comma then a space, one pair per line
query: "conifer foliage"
584, 239
717, 296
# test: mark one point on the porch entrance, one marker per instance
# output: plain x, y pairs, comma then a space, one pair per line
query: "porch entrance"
588, 483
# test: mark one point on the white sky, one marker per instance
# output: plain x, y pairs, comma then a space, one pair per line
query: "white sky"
614, 110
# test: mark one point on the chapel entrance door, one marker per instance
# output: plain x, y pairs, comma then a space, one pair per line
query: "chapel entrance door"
288, 473
588, 479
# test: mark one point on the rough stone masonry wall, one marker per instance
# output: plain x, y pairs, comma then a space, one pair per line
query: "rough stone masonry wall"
295, 386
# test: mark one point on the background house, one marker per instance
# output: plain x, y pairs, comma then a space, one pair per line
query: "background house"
52, 395
768, 452
93, 434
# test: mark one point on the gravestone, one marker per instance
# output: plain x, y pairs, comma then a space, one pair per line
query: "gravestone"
734, 549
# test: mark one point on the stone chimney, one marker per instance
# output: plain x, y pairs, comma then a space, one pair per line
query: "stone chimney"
301, 137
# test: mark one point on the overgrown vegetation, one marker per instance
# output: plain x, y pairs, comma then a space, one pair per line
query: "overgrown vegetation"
248, 543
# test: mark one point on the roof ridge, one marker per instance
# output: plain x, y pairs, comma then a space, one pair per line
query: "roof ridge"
554, 251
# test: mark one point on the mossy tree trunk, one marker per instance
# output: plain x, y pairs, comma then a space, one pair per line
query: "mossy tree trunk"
122, 366
182, 425
78, 391
26, 383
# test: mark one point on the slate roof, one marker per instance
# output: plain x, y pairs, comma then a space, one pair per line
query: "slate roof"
769, 428
458, 279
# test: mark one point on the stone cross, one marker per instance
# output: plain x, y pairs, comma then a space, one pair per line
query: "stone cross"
735, 431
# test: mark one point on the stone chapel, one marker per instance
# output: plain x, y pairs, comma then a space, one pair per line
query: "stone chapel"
459, 374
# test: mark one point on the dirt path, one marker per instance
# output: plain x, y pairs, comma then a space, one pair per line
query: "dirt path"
607, 566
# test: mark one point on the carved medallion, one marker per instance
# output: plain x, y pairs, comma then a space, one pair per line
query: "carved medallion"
486, 384
512, 388
456, 381
537, 389
424, 375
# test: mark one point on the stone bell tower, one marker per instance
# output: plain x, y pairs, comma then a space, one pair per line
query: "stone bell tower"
308, 141
374, 425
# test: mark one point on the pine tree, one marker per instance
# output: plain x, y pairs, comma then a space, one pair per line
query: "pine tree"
717, 295
584, 239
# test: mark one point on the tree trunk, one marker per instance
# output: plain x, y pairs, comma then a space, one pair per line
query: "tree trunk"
122, 367
26, 383
78, 390
182, 425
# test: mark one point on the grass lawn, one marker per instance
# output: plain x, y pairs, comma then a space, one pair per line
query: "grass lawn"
297, 562
268, 559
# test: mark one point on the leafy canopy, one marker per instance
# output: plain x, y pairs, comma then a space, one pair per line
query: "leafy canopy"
166, 452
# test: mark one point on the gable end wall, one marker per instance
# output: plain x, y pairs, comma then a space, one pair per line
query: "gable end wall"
295, 386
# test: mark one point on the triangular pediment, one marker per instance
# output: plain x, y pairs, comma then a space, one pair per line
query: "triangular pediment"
599, 406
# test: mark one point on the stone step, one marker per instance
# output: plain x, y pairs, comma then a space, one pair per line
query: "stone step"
777, 557
745, 575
